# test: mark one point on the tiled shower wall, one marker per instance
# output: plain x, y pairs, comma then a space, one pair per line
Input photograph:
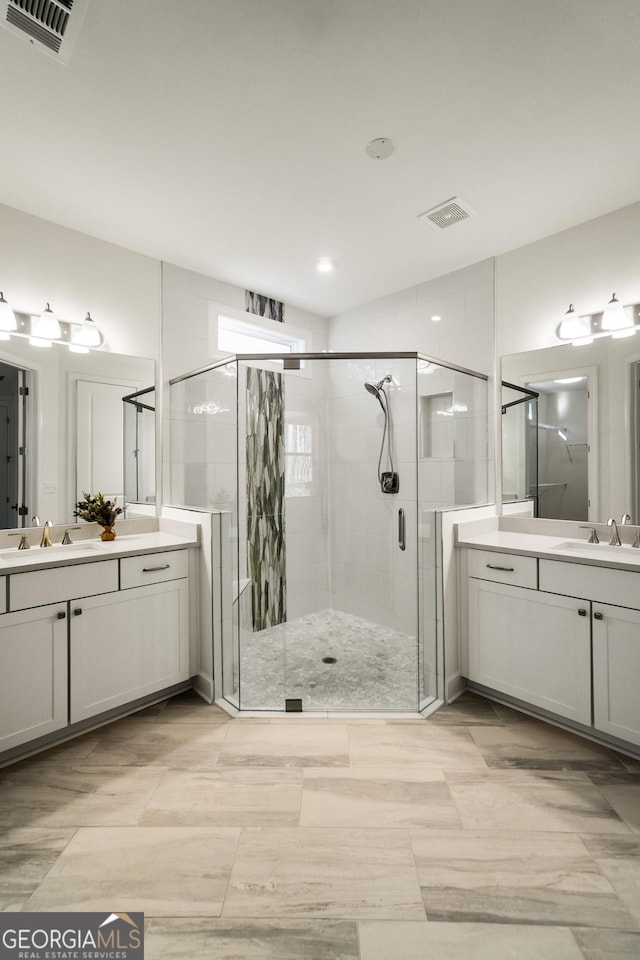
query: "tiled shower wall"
370, 576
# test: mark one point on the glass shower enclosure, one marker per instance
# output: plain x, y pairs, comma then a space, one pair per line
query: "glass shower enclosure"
328, 470
139, 439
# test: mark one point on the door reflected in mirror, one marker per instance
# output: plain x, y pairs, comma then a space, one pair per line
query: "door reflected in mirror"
72, 423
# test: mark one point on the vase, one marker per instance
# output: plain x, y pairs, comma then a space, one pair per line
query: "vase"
108, 534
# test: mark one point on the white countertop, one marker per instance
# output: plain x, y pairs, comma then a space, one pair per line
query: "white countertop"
14, 561
554, 548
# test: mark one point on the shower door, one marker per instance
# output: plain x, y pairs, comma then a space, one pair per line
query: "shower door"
332, 559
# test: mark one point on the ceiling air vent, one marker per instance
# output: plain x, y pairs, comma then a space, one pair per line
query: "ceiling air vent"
447, 213
50, 25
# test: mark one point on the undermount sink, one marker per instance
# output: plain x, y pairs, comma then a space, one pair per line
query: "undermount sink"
42, 554
583, 546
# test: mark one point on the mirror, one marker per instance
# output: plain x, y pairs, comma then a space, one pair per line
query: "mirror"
587, 430
71, 422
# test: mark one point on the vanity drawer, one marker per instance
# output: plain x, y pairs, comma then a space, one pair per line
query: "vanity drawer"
618, 587
153, 568
503, 568
38, 587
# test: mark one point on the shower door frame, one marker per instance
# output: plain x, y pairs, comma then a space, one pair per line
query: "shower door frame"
280, 358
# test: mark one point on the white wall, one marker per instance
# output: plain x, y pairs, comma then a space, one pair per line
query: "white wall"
76, 273
402, 321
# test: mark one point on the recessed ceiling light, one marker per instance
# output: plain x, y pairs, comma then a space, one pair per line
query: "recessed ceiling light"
436, 317
325, 265
380, 149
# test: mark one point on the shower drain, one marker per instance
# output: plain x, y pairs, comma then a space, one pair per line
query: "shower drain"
329, 660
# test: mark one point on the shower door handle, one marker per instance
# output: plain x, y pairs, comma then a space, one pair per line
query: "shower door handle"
402, 543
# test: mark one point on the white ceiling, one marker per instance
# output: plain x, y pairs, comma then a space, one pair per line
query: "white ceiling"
228, 136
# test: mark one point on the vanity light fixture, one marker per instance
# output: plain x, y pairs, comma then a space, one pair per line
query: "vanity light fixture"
615, 320
45, 327
436, 317
573, 326
86, 335
7, 319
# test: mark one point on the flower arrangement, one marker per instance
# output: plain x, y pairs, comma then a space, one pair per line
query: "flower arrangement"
95, 509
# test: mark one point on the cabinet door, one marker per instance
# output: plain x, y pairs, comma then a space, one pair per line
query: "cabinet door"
531, 645
126, 645
33, 674
616, 671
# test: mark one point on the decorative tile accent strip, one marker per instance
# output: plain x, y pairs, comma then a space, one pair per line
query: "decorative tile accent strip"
265, 497
263, 306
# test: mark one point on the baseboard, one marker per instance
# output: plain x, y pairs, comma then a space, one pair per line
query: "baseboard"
454, 687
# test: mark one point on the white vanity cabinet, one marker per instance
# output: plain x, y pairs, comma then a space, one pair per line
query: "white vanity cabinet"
531, 645
616, 671
82, 639
615, 636
33, 674
128, 645
565, 638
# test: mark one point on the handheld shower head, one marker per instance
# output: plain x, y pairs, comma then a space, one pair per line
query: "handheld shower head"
374, 388
388, 480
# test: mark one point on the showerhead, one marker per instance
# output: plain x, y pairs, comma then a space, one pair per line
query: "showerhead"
374, 389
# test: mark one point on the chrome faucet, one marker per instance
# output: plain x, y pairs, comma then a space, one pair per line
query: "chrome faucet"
593, 536
46, 536
626, 518
615, 540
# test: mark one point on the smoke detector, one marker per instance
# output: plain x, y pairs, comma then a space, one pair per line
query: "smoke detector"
447, 213
50, 25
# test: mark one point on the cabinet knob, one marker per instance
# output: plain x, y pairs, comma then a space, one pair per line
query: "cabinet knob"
61, 615
77, 611
582, 612
598, 616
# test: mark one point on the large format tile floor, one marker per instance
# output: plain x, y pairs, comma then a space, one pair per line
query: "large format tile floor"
479, 833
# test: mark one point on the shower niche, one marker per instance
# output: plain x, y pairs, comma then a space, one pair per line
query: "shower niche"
328, 585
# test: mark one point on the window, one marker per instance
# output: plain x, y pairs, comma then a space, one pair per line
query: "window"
234, 332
